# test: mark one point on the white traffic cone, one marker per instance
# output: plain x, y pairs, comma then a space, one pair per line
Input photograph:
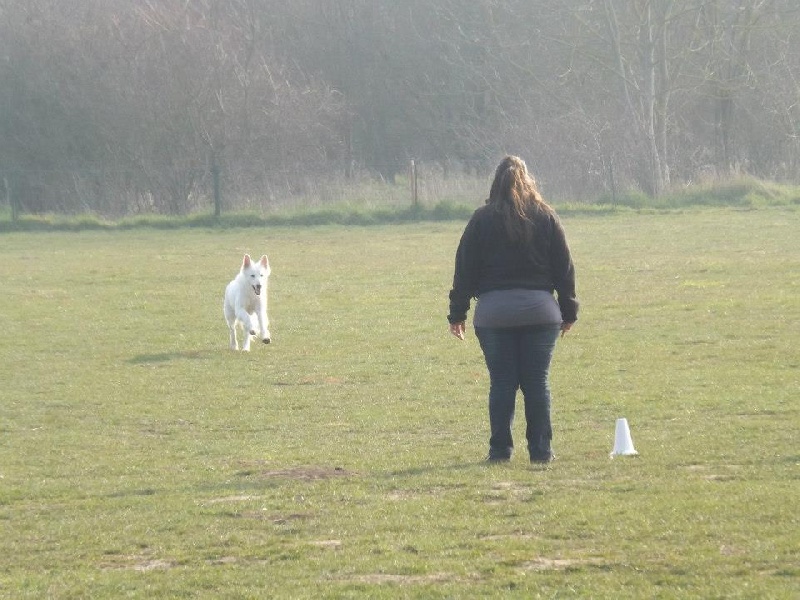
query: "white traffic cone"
623, 444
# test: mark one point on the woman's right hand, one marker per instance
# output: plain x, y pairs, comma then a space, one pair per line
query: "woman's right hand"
457, 329
565, 327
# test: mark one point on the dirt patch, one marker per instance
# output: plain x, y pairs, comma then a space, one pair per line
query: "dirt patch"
327, 543
503, 491
379, 578
137, 563
510, 536
241, 498
557, 564
224, 560
277, 519
156, 563
712, 472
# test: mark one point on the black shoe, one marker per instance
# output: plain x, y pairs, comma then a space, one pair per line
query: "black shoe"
542, 460
497, 459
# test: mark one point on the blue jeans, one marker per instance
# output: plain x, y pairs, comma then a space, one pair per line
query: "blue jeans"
519, 358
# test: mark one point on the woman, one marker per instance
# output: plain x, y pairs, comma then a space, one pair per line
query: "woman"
512, 256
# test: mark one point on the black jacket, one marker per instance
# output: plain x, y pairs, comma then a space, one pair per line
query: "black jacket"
487, 260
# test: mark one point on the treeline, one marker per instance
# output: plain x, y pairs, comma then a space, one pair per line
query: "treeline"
120, 107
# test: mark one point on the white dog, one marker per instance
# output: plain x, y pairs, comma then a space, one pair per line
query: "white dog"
246, 302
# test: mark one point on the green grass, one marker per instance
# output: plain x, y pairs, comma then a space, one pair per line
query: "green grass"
741, 191
333, 214
384, 204
139, 457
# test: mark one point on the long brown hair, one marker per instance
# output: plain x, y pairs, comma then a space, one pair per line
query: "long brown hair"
515, 196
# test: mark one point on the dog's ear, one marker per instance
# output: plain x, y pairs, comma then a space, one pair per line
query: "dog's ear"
264, 261
246, 261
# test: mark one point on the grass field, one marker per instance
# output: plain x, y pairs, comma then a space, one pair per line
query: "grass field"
140, 458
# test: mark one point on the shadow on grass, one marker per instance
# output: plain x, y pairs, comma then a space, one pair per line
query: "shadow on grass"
251, 481
128, 493
428, 469
146, 359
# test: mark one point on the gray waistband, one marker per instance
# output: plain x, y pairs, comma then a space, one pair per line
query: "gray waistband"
511, 308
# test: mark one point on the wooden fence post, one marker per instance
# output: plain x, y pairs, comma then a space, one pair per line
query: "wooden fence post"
11, 198
612, 181
412, 178
217, 193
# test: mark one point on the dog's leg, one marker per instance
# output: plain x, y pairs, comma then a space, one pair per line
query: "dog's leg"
263, 323
234, 343
248, 325
230, 320
247, 321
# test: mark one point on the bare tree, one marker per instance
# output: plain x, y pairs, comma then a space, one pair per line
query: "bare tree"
118, 107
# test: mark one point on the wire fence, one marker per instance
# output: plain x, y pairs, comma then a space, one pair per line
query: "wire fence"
116, 193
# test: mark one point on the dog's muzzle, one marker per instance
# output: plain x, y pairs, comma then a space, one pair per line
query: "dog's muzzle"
257, 290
